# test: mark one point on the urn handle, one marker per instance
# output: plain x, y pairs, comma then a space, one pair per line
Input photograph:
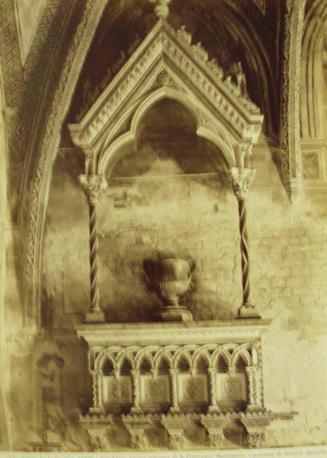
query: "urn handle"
191, 263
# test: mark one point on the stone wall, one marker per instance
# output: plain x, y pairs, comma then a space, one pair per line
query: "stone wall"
196, 217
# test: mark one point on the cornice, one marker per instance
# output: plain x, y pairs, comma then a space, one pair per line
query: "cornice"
173, 49
201, 332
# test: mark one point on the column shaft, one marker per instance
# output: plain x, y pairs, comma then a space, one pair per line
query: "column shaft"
94, 291
245, 262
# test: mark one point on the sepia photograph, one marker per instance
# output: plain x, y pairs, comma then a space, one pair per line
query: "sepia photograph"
163, 228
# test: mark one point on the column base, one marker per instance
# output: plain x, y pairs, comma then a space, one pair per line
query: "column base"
96, 411
94, 317
173, 410
248, 311
136, 410
214, 409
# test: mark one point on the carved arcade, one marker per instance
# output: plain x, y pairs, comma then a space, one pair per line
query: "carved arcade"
141, 378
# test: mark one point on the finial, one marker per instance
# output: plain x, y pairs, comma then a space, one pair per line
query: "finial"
161, 8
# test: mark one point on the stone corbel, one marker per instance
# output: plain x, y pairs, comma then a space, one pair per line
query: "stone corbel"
97, 433
255, 425
94, 186
214, 425
97, 427
241, 179
136, 425
174, 425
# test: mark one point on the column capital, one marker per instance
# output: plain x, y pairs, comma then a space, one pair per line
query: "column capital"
94, 186
241, 179
250, 369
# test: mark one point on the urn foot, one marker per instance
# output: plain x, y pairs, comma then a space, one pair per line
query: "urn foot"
170, 313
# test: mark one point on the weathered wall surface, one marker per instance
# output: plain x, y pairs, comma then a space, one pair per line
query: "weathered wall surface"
165, 203
3, 231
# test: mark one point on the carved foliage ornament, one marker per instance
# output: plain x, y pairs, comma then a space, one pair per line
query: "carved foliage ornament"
161, 8
241, 179
94, 187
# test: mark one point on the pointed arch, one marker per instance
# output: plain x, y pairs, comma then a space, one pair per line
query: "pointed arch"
41, 174
144, 361
163, 365
163, 355
244, 355
221, 355
180, 357
108, 365
125, 360
315, 32
198, 355
113, 152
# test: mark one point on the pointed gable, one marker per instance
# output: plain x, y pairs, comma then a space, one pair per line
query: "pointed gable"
167, 64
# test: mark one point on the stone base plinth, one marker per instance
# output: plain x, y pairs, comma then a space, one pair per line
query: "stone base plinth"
171, 313
94, 317
248, 311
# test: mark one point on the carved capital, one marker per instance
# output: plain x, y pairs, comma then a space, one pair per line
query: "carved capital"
161, 8
94, 187
241, 179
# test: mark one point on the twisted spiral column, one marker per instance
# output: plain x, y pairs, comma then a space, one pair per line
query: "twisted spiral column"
136, 391
244, 251
97, 402
212, 390
94, 186
94, 290
173, 387
241, 179
253, 392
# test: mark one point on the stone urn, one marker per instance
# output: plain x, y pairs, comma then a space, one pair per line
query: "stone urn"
170, 278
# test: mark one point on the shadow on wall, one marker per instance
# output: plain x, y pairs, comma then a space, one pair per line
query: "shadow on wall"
172, 196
